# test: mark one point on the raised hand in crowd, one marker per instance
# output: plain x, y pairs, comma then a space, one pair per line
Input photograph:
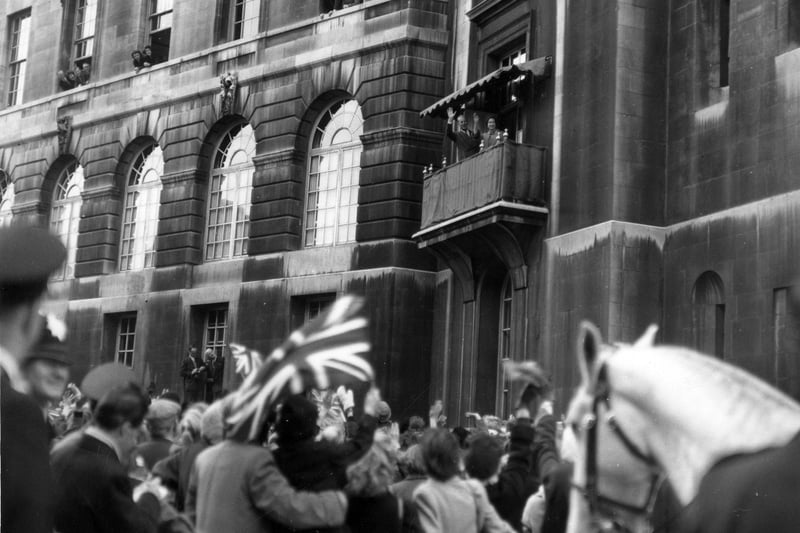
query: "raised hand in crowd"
371, 401
434, 413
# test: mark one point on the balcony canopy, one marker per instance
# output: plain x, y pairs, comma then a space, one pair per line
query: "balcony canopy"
538, 68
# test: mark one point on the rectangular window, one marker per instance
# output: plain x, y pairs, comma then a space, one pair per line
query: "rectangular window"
18, 36
315, 305
503, 386
139, 228
215, 327
724, 41
515, 57
714, 41
245, 18
160, 23
307, 307
787, 22
503, 101
85, 17
229, 214
126, 335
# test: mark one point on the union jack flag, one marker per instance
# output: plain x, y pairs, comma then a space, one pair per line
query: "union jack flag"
326, 352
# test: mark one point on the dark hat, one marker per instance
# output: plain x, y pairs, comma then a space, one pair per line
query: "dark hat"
102, 379
28, 255
52, 345
521, 436
297, 420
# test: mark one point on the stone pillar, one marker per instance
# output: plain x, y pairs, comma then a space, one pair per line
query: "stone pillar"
99, 227
181, 216
390, 193
276, 217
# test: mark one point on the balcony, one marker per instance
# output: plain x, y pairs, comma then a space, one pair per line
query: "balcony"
509, 175
489, 204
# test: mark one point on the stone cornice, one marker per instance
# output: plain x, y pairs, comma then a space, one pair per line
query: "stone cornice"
291, 156
180, 176
486, 9
102, 191
406, 134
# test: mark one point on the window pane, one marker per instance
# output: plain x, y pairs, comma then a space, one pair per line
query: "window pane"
230, 194
140, 217
333, 176
65, 214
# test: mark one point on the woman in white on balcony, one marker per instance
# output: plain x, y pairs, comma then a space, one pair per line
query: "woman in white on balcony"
492, 134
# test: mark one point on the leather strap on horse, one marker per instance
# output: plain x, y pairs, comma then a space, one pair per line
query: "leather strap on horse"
590, 491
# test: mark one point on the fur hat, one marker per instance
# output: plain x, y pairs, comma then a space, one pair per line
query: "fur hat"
161, 416
383, 413
212, 422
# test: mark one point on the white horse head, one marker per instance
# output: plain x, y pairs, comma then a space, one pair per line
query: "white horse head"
644, 411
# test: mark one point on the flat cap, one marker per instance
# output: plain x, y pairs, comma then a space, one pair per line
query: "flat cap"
163, 410
103, 378
28, 255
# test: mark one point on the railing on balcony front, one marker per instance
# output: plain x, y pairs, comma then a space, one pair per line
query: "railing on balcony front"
507, 171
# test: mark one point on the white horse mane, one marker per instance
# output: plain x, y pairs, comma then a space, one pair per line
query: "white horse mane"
699, 409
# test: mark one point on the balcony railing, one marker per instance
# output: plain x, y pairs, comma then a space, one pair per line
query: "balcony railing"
508, 171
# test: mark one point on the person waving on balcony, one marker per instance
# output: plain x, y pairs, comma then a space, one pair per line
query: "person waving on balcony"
467, 141
492, 135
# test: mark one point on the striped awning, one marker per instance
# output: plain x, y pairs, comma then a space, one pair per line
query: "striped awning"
539, 68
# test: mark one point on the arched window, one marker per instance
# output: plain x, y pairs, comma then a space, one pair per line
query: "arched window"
140, 218
6, 199
66, 213
228, 222
708, 297
332, 192
504, 347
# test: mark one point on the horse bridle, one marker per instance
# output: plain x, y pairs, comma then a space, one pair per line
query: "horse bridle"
590, 491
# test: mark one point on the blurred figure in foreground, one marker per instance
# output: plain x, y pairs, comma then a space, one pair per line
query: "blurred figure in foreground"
28, 256
445, 501
372, 506
93, 491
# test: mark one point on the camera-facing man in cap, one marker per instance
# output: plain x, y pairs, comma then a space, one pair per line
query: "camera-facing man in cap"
47, 370
28, 256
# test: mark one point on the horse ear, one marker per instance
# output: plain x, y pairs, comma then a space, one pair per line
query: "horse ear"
647, 338
589, 342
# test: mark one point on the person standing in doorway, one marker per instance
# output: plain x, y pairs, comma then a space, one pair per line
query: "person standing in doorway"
215, 367
193, 371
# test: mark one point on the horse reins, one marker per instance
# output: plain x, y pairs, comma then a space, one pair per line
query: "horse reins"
590, 491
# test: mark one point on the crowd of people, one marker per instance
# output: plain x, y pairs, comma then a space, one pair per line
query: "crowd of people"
80, 75
143, 58
110, 457
74, 77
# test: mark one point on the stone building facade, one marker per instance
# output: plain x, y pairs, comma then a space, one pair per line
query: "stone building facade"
280, 154
667, 192
269, 160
